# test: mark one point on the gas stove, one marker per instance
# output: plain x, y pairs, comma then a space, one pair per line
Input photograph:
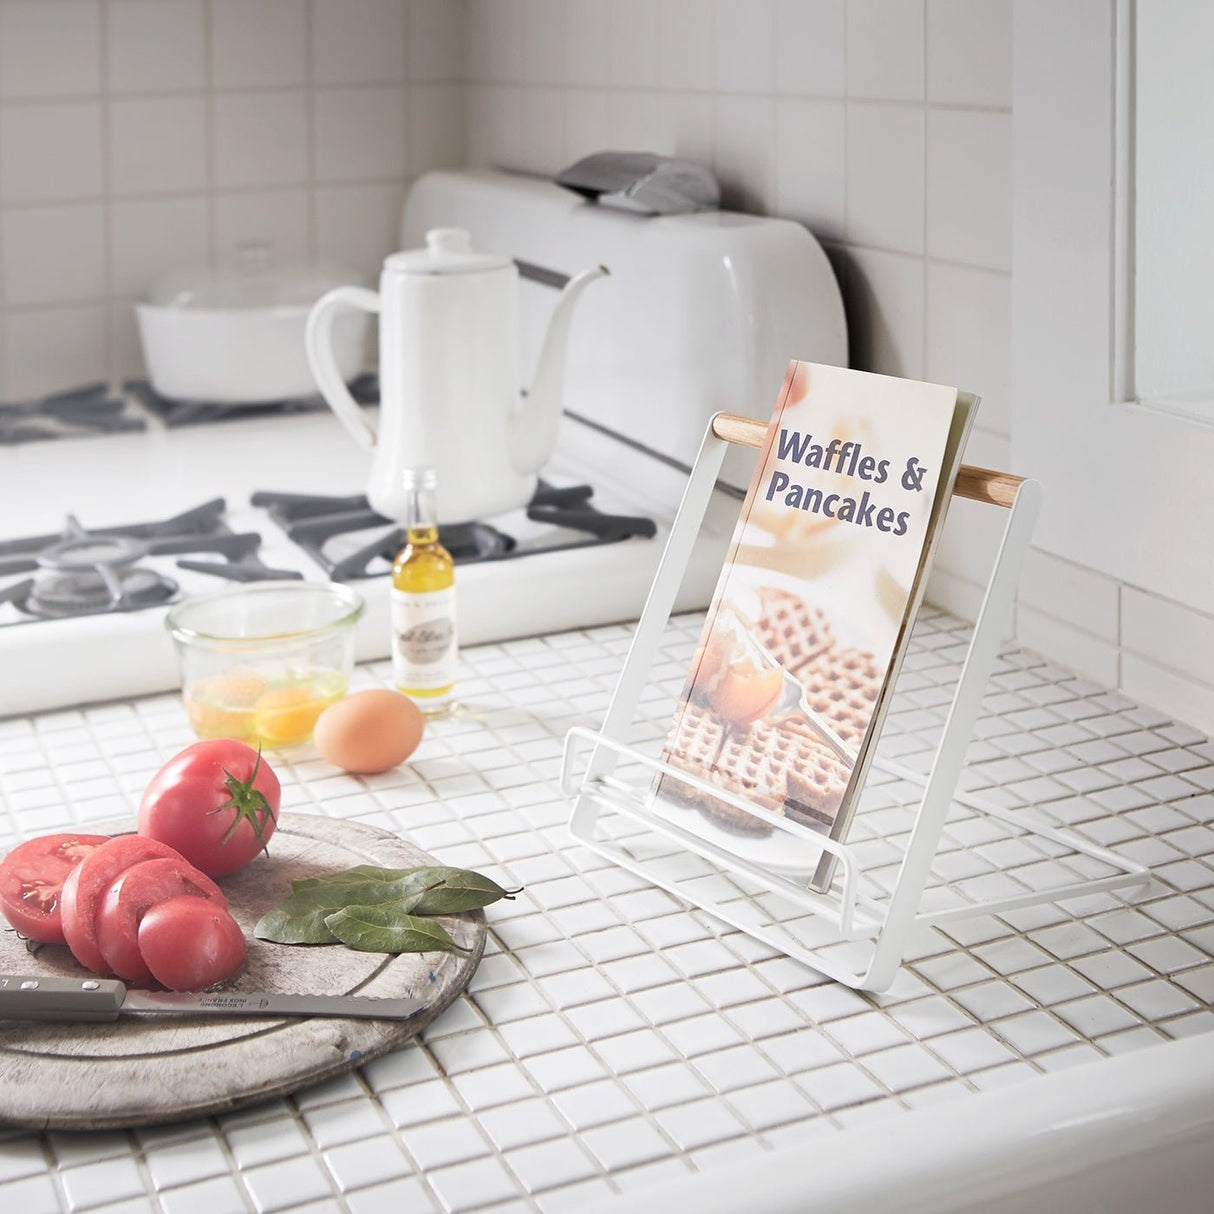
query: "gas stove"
81, 572
83, 597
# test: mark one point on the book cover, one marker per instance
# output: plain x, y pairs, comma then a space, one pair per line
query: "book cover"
810, 618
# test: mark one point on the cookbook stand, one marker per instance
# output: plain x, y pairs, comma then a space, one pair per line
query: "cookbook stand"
885, 887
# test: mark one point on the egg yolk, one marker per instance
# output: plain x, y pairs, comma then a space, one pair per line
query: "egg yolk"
222, 707
286, 716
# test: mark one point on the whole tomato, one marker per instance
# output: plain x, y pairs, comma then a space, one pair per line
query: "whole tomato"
216, 802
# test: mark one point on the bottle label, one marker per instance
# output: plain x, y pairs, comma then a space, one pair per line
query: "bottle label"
423, 639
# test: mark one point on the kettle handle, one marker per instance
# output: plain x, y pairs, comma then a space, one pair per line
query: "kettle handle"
318, 338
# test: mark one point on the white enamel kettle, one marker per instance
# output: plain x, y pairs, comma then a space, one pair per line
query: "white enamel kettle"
449, 378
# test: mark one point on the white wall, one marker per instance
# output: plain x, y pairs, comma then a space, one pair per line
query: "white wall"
138, 136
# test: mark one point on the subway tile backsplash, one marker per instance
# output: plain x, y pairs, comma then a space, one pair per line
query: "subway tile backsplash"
142, 136
156, 46
49, 50
138, 136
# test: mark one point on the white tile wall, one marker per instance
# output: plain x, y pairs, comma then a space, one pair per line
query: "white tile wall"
138, 136
261, 138
437, 35
239, 219
263, 44
966, 59
360, 133
810, 40
969, 187
50, 151
686, 45
157, 145
885, 49
53, 254
745, 46
886, 289
811, 158
634, 44
885, 176
968, 314
49, 50
358, 41
156, 46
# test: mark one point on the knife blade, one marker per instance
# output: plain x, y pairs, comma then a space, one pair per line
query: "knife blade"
101, 1000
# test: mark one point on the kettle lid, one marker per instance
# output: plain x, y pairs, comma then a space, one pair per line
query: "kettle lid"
447, 251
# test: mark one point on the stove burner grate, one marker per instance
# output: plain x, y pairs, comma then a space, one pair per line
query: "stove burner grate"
364, 389
313, 520
89, 409
82, 572
58, 596
571, 508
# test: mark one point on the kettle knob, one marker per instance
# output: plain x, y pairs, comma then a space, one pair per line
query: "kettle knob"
448, 240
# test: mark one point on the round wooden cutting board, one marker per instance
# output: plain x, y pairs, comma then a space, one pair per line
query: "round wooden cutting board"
149, 1069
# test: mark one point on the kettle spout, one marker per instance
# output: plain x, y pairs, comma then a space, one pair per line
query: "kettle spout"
535, 427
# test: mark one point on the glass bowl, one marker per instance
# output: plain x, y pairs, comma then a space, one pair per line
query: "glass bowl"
261, 662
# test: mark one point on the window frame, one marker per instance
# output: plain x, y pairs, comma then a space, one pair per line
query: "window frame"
1127, 487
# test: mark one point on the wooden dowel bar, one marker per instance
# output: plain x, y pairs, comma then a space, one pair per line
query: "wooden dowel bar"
986, 485
977, 484
734, 428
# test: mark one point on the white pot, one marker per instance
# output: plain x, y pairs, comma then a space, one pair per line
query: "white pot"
237, 337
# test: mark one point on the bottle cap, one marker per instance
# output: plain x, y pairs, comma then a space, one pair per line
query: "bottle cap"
419, 478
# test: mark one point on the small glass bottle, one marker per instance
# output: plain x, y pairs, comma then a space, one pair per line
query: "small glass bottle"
424, 651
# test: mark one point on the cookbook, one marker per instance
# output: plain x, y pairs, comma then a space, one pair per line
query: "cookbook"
810, 620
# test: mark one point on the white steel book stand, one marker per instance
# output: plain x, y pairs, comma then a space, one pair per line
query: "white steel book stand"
888, 880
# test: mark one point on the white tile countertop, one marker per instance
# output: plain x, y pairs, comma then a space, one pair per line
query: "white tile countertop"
612, 1039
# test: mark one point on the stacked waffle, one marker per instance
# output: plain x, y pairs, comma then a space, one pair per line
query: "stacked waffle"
778, 762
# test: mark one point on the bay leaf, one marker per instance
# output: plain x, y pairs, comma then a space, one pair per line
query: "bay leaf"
360, 891
287, 924
396, 894
448, 891
368, 873
381, 929
300, 919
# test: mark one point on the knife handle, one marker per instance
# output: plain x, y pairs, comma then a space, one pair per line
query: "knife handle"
37, 997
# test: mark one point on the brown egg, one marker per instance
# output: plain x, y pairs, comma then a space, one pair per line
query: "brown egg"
369, 731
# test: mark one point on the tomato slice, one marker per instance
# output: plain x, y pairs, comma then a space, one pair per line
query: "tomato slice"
129, 898
31, 882
87, 884
190, 943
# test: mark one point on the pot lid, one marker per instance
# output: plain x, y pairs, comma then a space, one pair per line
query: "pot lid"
447, 251
255, 281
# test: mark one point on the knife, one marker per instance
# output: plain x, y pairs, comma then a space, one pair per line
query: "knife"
30, 997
